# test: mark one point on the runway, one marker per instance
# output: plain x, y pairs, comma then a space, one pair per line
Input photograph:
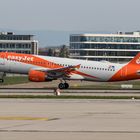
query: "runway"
69, 119
77, 92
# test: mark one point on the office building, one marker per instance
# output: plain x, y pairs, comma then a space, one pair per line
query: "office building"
119, 47
11, 42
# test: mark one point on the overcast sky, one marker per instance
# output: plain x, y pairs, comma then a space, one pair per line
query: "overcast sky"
70, 15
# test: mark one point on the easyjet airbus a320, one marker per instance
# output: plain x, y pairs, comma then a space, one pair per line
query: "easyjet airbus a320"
44, 68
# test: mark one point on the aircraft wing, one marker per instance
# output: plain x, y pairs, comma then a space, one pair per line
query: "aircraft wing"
59, 72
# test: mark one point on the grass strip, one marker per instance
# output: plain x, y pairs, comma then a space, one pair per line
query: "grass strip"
15, 80
67, 97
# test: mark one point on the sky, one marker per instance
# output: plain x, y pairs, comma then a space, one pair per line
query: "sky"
70, 15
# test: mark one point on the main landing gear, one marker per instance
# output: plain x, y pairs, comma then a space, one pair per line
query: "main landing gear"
63, 85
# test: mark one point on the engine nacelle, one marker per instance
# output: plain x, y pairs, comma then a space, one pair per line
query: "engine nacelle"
38, 76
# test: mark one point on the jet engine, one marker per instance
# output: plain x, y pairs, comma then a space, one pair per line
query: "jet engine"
38, 76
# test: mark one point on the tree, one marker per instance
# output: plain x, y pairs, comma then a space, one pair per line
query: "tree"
64, 52
50, 52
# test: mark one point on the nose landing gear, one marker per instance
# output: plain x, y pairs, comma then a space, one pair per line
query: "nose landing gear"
63, 85
1, 80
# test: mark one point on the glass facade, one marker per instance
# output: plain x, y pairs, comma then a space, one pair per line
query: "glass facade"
103, 53
104, 39
14, 37
114, 48
104, 46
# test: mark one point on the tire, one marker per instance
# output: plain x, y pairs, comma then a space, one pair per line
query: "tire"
1, 80
61, 86
66, 85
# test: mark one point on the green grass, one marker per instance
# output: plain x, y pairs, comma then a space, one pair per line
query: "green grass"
111, 85
10, 80
67, 97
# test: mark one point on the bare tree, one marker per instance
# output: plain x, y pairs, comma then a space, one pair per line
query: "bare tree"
50, 52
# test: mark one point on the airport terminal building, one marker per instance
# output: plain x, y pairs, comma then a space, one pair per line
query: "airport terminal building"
119, 47
11, 42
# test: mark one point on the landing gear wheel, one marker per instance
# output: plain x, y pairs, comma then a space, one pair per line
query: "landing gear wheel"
61, 86
66, 85
1, 80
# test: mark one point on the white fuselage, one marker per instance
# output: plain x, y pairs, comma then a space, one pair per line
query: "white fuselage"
91, 70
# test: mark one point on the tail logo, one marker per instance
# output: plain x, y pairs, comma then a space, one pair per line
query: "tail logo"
138, 61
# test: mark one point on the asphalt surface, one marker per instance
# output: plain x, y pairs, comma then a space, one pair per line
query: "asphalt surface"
59, 119
79, 92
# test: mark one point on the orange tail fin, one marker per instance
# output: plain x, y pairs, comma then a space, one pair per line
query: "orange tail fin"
128, 72
136, 60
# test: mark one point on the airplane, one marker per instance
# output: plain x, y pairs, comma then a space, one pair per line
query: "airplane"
45, 68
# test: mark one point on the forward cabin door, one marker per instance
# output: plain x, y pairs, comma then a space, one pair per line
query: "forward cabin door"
4, 64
